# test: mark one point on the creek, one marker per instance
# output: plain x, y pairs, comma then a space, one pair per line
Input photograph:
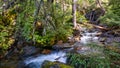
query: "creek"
87, 37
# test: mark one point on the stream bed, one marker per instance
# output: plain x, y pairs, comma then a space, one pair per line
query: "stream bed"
39, 59
87, 37
79, 47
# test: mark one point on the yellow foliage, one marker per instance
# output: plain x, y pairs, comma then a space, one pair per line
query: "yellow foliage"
38, 24
52, 41
8, 18
11, 40
7, 23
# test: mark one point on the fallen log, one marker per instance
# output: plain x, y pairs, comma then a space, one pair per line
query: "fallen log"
101, 27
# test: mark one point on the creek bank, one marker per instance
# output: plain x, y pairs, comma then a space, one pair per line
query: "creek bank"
76, 47
62, 46
94, 55
87, 61
108, 35
31, 56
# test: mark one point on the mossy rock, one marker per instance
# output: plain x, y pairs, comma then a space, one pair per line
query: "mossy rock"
49, 64
85, 61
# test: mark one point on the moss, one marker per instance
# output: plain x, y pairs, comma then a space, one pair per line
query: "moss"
49, 64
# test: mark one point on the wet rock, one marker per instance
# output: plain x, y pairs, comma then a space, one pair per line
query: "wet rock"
71, 41
86, 50
102, 39
60, 42
62, 46
33, 65
49, 64
109, 40
76, 36
55, 66
107, 34
77, 44
114, 39
46, 51
98, 34
89, 49
28, 51
74, 39
8, 64
20, 64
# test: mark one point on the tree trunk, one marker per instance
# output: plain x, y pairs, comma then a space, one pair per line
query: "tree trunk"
74, 12
38, 5
50, 1
100, 5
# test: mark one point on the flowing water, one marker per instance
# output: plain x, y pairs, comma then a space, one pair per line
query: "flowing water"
87, 37
51, 57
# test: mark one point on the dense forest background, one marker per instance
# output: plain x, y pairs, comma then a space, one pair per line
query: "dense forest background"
43, 23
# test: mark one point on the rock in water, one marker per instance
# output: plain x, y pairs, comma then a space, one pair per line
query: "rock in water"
49, 64
33, 65
62, 46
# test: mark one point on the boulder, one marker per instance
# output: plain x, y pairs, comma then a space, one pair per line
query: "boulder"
109, 40
62, 46
33, 65
49, 64
20, 64
28, 51
89, 49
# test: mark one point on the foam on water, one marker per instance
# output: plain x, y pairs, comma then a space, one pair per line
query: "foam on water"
88, 37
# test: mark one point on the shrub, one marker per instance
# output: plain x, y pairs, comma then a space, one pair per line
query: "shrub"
112, 16
6, 29
82, 61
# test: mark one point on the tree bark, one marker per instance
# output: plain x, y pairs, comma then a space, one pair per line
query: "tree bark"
74, 12
50, 1
99, 3
38, 5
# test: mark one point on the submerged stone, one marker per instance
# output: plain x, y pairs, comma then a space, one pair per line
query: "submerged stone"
33, 65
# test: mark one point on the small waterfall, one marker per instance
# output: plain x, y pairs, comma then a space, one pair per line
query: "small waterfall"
51, 57
87, 37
